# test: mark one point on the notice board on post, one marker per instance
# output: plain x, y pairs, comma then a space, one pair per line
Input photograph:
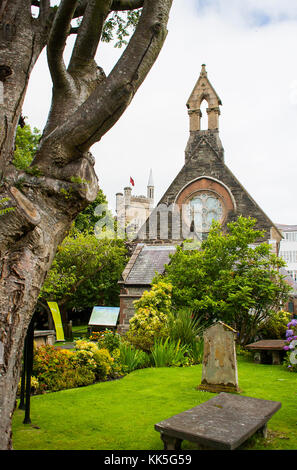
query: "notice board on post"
104, 317
54, 308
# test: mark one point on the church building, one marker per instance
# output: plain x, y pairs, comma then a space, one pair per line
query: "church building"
204, 190
132, 211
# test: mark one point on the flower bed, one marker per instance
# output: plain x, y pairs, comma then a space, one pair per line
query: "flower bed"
291, 346
107, 355
57, 369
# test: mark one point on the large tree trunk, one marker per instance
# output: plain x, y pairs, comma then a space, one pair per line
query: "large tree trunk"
61, 181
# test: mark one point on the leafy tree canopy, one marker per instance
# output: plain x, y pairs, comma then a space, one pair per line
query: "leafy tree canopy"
87, 219
85, 272
231, 277
26, 143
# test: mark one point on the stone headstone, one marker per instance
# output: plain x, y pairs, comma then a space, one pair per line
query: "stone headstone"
219, 368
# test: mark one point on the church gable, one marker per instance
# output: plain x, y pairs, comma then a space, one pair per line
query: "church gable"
204, 190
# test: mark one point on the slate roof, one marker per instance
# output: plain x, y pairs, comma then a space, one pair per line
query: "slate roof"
149, 259
286, 228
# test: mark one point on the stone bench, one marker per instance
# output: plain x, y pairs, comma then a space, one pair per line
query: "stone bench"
274, 347
43, 337
223, 422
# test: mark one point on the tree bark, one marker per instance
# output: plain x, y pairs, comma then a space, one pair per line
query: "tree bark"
85, 105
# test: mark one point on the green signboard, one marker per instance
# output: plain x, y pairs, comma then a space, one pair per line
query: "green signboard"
54, 308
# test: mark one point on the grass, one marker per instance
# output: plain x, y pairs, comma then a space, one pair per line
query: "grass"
78, 332
120, 415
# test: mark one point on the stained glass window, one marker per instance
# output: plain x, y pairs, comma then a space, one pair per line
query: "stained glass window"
203, 209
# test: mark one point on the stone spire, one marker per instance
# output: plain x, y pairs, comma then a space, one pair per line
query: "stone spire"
150, 187
203, 90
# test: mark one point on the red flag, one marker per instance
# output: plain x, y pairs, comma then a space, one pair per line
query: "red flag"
132, 181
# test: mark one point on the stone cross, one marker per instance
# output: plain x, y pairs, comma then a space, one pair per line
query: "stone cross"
219, 368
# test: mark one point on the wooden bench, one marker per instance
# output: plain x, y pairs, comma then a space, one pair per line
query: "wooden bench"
223, 422
274, 347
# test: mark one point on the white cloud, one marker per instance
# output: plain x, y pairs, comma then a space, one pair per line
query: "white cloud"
254, 71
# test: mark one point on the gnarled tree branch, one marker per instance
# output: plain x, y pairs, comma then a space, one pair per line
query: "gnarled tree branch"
122, 5
109, 100
89, 34
57, 42
44, 10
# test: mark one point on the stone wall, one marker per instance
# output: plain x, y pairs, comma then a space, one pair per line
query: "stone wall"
127, 296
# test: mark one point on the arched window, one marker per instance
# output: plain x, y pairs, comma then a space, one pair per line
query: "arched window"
204, 117
203, 208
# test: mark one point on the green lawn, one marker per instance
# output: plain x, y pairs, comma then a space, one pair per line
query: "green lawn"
120, 415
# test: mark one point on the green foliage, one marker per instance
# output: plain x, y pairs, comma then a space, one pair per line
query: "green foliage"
4, 202
275, 326
159, 297
87, 219
107, 363
187, 328
150, 319
232, 278
103, 363
195, 351
58, 369
26, 143
120, 24
166, 353
131, 357
35, 386
34, 171
290, 361
85, 271
106, 339
184, 326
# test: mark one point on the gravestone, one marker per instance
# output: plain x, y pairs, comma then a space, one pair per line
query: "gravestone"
219, 368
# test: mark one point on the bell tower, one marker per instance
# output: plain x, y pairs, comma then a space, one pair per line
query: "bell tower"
203, 90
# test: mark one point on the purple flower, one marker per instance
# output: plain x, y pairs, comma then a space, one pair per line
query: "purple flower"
289, 333
293, 322
286, 348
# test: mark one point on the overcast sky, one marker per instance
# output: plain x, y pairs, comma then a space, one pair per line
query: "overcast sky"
249, 48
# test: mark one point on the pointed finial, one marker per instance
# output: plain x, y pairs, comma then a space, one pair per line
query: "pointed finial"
203, 70
151, 181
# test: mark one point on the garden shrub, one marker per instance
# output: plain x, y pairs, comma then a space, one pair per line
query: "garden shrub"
58, 369
195, 351
101, 359
117, 369
103, 362
150, 319
106, 339
187, 328
35, 386
85, 345
168, 353
290, 361
182, 326
275, 326
132, 358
